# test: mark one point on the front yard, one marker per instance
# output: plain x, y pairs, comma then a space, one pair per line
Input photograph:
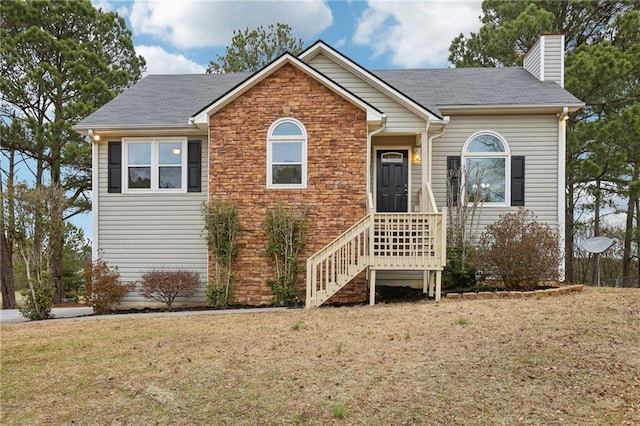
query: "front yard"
571, 359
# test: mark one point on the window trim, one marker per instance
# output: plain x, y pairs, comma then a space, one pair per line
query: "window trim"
507, 166
293, 139
155, 165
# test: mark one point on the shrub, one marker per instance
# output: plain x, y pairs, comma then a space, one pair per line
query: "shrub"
520, 251
164, 286
102, 287
285, 233
222, 224
460, 271
38, 299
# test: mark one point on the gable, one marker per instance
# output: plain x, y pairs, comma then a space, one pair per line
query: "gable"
399, 117
200, 118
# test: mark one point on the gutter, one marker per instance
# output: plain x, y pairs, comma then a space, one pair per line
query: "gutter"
86, 129
510, 108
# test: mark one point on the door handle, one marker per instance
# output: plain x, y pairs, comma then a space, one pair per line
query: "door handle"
406, 190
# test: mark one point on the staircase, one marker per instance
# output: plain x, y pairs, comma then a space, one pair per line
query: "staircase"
340, 261
379, 241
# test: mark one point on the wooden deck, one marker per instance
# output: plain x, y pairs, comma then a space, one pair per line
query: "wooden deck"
380, 241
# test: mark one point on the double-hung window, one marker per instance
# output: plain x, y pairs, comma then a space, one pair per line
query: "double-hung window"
156, 164
486, 168
287, 154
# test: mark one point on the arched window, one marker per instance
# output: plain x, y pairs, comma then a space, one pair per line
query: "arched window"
486, 167
287, 154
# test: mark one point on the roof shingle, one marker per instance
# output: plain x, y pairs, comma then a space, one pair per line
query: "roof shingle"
170, 100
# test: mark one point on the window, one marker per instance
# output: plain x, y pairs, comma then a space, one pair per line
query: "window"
486, 168
154, 164
287, 155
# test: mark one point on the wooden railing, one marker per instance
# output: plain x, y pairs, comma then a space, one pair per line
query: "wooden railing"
337, 263
401, 241
406, 241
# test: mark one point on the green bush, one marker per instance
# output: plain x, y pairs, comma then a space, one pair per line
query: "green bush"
520, 251
222, 224
459, 274
38, 300
165, 286
102, 287
286, 232
217, 296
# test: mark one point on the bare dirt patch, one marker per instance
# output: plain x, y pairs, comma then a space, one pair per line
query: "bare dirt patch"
571, 359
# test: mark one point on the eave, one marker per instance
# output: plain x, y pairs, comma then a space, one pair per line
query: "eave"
507, 109
141, 130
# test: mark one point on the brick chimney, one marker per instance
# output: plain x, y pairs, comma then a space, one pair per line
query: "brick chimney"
545, 60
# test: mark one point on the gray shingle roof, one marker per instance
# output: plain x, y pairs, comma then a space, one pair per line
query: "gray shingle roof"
170, 100
162, 100
476, 86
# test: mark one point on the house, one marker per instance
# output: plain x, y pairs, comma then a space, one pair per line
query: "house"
367, 150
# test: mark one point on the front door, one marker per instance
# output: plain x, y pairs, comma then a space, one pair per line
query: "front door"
392, 180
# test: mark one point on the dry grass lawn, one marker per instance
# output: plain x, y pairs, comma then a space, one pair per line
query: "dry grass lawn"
559, 360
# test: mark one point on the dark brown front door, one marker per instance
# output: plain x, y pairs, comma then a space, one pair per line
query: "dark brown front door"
392, 180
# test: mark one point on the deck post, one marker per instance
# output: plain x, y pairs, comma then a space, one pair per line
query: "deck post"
438, 285
307, 301
372, 287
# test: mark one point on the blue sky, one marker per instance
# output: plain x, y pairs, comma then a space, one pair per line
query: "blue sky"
182, 36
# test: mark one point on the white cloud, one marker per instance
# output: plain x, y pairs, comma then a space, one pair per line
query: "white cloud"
106, 6
159, 61
416, 33
191, 24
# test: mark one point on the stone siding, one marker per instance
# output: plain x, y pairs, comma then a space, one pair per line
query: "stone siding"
336, 173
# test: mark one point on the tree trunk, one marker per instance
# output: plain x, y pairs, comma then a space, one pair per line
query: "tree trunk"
8, 291
638, 242
57, 241
568, 234
6, 245
596, 232
628, 233
56, 233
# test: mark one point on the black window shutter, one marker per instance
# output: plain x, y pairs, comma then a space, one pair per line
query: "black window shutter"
517, 181
194, 168
114, 166
453, 174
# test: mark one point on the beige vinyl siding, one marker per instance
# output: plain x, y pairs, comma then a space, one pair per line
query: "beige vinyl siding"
137, 232
532, 60
553, 52
416, 180
399, 119
535, 136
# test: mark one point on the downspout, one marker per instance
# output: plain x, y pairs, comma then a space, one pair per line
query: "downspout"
370, 136
208, 144
95, 208
562, 153
430, 157
424, 166
430, 146
371, 275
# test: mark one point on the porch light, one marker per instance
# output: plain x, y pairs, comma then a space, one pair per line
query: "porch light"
93, 135
417, 154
